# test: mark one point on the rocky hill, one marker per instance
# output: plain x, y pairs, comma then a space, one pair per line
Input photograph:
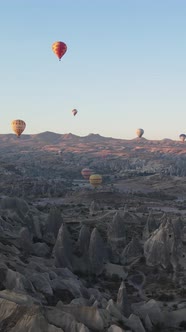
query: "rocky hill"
80, 259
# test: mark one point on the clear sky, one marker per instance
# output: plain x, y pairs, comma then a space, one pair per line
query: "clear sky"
125, 67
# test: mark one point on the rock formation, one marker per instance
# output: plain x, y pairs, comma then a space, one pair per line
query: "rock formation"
164, 246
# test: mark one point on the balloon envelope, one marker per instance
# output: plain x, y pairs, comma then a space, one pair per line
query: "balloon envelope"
18, 126
139, 132
86, 172
182, 137
74, 111
95, 180
59, 48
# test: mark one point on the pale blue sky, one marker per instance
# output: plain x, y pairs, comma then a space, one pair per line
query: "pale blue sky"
125, 66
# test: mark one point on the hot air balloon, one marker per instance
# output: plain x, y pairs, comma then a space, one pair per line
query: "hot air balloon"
86, 172
95, 180
59, 48
74, 111
139, 132
182, 137
18, 126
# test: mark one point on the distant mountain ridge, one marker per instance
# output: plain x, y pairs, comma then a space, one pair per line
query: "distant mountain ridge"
93, 142
52, 136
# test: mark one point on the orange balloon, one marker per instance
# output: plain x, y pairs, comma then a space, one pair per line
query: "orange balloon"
18, 126
59, 48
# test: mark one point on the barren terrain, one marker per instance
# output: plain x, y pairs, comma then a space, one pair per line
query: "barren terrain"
110, 258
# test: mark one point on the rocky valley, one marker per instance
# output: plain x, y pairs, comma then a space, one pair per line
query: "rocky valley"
80, 259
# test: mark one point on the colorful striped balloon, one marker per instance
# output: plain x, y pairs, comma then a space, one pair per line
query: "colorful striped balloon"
59, 48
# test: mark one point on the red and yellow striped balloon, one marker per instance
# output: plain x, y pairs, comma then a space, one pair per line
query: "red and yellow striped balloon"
95, 180
59, 48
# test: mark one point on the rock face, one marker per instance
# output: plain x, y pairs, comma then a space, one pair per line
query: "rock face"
25, 240
117, 235
54, 222
132, 251
40, 249
135, 323
63, 248
94, 207
15, 204
150, 308
137, 280
122, 300
84, 239
19, 318
163, 247
64, 320
17, 282
117, 228
70, 284
92, 317
115, 328
97, 253
151, 225
41, 283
